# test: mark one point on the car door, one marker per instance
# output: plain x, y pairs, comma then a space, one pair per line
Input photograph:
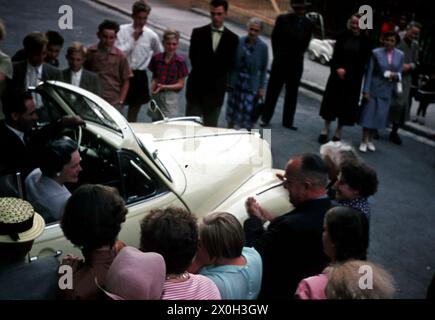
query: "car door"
143, 182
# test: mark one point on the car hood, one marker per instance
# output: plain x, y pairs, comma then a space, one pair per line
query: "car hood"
214, 161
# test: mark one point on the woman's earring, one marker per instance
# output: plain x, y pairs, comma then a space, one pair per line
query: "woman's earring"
58, 174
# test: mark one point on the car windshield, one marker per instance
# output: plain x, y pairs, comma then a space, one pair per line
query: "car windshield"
87, 109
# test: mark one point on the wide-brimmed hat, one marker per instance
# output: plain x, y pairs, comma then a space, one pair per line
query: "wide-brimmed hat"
296, 4
18, 221
135, 275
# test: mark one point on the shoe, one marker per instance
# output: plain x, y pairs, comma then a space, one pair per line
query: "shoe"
371, 147
335, 139
323, 138
394, 138
291, 127
376, 135
263, 124
363, 147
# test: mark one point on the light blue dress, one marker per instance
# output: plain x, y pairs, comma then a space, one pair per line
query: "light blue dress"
375, 112
47, 195
238, 282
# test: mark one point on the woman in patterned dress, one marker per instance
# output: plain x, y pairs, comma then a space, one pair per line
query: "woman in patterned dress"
248, 78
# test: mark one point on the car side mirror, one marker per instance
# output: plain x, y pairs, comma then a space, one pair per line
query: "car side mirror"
155, 112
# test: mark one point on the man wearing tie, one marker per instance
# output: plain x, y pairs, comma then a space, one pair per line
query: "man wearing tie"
29, 72
290, 38
20, 140
212, 50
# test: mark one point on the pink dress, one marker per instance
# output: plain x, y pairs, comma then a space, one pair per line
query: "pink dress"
197, 287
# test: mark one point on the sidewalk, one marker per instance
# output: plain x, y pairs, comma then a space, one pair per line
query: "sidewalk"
315, 76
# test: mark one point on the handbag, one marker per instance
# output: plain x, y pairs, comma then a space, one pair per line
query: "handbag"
258, 108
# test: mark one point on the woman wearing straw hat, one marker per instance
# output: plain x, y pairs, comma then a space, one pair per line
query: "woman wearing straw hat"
20, 225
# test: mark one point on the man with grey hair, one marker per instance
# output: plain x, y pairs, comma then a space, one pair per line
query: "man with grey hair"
400, 106
291, 246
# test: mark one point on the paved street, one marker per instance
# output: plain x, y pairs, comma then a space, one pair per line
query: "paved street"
403, 211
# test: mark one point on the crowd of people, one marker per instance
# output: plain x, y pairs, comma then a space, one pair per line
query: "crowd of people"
316, 251
116, 69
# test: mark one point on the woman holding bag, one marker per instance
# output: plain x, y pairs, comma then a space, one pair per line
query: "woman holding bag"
381, 82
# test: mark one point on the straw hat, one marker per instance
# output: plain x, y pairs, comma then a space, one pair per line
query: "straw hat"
18, 221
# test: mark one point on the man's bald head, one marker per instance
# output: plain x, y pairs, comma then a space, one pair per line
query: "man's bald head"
306, 178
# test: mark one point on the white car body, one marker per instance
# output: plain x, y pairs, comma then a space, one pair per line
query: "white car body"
198, 168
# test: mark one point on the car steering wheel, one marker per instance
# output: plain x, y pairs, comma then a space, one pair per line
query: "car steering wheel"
76, 134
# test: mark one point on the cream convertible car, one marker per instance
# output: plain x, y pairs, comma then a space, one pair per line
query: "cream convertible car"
174, 162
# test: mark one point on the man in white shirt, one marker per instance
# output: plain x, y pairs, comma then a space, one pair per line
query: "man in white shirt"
29, 72
76, 74
139, 43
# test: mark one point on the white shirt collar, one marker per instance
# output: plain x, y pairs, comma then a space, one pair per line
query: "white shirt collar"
38, 69
220, 29
76, 77
19, 133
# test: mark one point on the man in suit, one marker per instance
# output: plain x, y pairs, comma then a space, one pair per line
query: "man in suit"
212, 50
291, 246
290, 38
29, 72
19, 140
76, 74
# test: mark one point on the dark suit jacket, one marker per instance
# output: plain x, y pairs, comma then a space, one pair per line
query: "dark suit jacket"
210, 68
30, 281
89, 81
20, 69
291, 36
17, 157
291, 248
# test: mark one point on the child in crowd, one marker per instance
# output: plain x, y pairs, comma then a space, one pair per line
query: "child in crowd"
169, 71
54, 46
235, 269
110, 64
76, 74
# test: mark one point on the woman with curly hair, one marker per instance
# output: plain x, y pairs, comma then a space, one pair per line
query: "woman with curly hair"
356, 183
91, 221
